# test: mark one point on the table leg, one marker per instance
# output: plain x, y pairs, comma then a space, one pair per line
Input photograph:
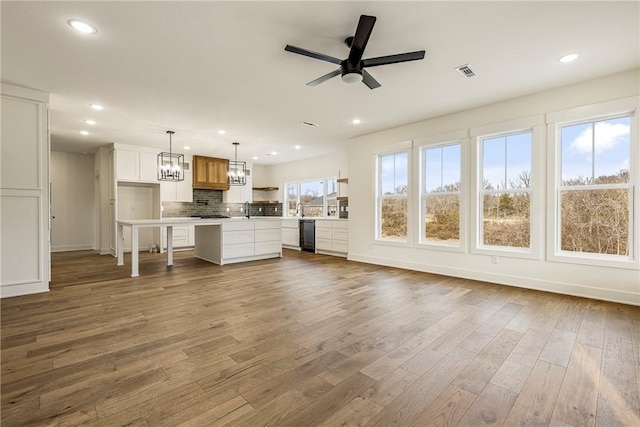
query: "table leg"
120, 243
169, 245
134, 251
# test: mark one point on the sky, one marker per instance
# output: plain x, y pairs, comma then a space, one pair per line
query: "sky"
588, 150
591, 150
505, 158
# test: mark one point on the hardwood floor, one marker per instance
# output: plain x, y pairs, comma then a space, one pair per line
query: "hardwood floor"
309, 340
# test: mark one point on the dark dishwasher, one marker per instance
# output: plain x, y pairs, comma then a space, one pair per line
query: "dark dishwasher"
308, 235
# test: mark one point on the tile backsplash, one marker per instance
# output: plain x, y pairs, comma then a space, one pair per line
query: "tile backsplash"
209, 202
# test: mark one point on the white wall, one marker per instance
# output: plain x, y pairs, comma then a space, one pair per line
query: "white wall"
72, 201
326, 166
139, 201
615, 284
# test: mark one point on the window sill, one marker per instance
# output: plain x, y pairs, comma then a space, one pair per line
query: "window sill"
598, 260
441, 247
504, 251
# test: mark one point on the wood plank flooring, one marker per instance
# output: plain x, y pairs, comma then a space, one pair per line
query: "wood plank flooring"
309, 340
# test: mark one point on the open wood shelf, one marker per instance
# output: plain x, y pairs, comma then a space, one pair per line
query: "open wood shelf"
264, 202
342, 198
265, 188
343, 180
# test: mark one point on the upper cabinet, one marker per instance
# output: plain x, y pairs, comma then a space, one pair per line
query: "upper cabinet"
180, 191
134, 165
210, 173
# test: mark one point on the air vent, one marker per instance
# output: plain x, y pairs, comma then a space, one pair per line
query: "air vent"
306, 123
465, 70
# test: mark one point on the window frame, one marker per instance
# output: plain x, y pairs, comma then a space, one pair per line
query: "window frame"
298, 194
422, 242
591, 114
379, 197
535, 125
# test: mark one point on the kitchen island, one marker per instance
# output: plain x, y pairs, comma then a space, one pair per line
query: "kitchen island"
220, 241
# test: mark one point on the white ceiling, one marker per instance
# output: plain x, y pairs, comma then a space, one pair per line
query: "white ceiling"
196, 67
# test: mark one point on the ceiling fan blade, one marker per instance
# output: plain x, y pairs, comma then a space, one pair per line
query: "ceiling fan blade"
393, 59
311, 54
324, 78
360, 39
369, 80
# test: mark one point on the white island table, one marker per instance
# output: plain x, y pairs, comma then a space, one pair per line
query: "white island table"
217, 240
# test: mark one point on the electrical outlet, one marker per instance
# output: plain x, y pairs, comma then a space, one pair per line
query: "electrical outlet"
276, 209
259, 209
241, 209
227, 209
494, 259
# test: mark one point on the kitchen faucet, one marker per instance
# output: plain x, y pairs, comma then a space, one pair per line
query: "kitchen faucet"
247, 209
300, 209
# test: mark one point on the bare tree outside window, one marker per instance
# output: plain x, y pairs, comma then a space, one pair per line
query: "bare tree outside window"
595, 194
506, 191
393, 172
292, 199
441, 194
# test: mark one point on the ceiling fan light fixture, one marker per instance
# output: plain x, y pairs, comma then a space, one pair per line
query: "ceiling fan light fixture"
352, 77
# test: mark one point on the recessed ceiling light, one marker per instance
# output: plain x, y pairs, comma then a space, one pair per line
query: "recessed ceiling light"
83, 27
255, 157
84, 132
97, 107
568, 58
356, 121
90, 122
297, 147
186, 148
273, 153
222, 131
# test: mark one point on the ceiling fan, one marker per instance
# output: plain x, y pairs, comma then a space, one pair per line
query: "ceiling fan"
352, 69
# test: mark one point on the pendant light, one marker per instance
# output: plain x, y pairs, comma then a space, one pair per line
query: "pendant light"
237, 174
170, 165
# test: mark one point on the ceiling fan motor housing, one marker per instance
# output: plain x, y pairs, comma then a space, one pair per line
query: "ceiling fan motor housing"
351, 73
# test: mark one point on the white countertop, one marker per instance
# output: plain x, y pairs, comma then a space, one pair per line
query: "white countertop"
190, 221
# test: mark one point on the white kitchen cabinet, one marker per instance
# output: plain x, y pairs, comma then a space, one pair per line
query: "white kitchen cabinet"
268, 237
181, 191
238, 241
127, 165
240, 193
182, 237
332, 237
24, 191
135, 165
291, 233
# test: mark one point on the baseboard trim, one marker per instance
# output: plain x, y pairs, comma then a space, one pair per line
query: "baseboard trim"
8, 291
70, 248
563, 288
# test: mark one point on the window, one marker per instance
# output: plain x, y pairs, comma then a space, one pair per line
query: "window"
291, 199
318, 198
595, 190
393, 177
440, 204
505, 191
332, 197
312, 198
